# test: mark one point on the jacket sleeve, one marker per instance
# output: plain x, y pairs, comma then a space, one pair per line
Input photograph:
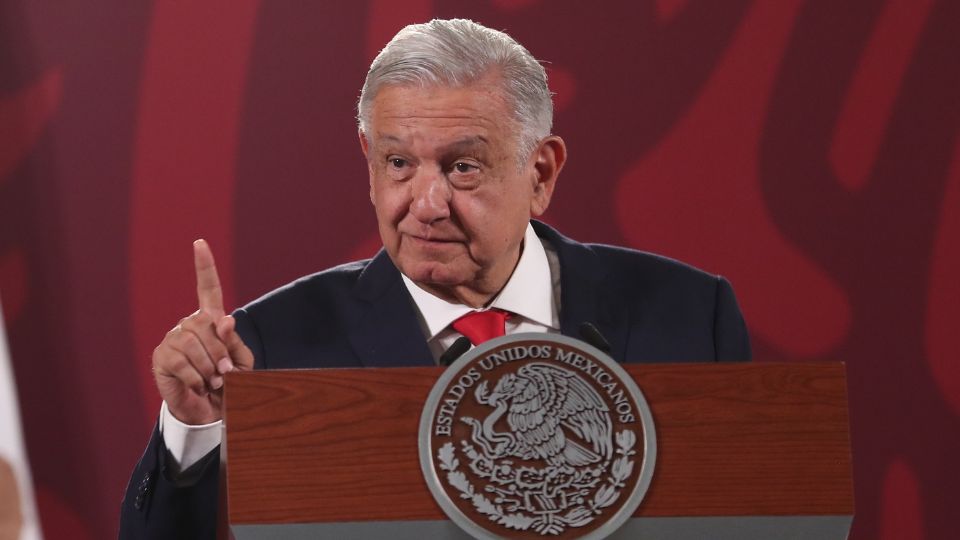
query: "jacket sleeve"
162, 502
157, 506
730, 337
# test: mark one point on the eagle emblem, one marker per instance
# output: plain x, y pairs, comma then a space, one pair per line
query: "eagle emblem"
553, 415
530, 444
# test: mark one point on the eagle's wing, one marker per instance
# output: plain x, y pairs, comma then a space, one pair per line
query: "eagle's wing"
550, 396
585, 413
531, 416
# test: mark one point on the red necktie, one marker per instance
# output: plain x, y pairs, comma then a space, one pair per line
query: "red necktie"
479, 326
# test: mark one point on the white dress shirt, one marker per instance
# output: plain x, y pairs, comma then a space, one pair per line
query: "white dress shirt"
532, 294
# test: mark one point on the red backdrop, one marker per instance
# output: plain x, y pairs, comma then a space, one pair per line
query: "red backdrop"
808, 150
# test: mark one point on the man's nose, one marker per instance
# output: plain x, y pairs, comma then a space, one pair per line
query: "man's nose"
431, 196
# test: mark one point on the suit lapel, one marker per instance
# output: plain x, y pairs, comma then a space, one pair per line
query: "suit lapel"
387, 334
585, 293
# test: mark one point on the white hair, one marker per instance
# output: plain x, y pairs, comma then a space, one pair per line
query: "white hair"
457, 53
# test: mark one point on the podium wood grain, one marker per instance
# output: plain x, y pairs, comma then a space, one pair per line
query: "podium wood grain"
733, 440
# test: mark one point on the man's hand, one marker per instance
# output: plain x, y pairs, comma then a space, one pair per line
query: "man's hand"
190, 361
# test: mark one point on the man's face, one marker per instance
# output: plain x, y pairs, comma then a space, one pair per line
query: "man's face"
452, 194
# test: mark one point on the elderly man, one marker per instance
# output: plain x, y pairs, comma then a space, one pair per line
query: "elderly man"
454, 120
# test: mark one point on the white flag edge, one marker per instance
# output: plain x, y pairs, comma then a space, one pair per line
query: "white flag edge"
11, 440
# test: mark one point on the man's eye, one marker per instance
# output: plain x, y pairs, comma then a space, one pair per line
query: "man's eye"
462, 167
398, 163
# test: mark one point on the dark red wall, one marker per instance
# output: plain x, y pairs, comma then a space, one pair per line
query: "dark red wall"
808, 151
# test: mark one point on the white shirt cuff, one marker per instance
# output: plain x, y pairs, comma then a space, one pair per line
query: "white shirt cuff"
186, 443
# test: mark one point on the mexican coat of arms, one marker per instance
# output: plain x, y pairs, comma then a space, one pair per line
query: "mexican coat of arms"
538, 436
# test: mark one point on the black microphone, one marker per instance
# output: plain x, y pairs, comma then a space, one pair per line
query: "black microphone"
460, 346
591, 335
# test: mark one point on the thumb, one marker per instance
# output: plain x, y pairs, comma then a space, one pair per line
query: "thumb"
240, 354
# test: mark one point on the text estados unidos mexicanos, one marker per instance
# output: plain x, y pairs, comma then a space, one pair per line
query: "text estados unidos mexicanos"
443, 422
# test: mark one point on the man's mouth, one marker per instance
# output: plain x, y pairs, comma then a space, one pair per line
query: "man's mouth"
432, 240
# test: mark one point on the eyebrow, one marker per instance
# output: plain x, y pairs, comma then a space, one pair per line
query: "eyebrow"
386, 137
476, 141
458, 145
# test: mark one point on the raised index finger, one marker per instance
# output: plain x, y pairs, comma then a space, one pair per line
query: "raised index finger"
209, 293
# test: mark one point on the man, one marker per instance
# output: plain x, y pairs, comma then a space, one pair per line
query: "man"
454, 120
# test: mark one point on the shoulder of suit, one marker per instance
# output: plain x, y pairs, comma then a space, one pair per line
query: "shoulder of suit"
627, 259
617, 259
632, 275
331, 282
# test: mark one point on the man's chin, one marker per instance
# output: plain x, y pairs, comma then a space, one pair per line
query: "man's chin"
434, 275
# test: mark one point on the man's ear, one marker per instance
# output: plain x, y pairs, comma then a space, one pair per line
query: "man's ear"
365, 147
549, 158
364, 144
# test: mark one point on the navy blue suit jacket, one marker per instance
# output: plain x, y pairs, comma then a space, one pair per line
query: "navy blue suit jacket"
650, 309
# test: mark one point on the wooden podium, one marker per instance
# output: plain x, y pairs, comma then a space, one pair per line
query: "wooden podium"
754, 450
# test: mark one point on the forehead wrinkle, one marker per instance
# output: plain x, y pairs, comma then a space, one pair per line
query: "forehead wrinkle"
439, 116
465, 122
476, 100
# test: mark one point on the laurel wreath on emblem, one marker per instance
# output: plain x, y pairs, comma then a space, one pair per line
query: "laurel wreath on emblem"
558, 489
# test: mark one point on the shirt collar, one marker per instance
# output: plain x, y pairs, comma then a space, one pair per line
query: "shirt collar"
528, 292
